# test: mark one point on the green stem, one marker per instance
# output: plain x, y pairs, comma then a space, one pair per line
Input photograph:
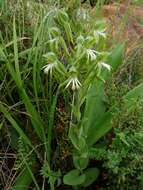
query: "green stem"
72, 115
51, 123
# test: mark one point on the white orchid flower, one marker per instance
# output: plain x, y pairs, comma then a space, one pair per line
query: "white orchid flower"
82, 14
74, 83
91, 54
105, 65
53, 40
100, 33
49, 68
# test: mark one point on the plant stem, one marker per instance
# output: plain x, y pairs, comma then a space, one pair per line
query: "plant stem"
72, 115
51, 123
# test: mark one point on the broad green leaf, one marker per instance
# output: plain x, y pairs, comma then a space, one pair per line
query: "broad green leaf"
91, 175
78, 141
115, 59
95, 102
133, 96
74, 178
101, 127
135, 93
95, 106
73, 135
82, 146
80, 162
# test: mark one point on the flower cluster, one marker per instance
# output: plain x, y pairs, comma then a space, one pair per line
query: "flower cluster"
76, 64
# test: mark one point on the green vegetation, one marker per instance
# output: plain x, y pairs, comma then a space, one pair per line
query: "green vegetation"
70, 108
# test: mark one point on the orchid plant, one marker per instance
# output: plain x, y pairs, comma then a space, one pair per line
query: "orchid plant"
75, 59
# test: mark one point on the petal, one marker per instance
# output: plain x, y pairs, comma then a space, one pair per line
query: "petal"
73, 85
108, 67
68, 84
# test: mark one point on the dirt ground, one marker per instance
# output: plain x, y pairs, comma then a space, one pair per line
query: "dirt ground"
125, 23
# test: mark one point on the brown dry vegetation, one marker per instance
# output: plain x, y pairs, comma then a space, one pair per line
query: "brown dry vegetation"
123, 22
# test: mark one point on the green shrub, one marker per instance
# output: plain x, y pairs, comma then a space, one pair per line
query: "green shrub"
123, 159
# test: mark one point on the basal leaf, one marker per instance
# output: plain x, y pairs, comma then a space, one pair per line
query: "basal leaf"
80, 162
115, 59
103, 125
91, 175
74, 178
100, 128
73, 135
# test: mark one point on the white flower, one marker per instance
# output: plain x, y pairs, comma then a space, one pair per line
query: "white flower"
82, 14
53, 40
74, 82
105, 65
49, 67
100, 33
28, 4
91, 54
